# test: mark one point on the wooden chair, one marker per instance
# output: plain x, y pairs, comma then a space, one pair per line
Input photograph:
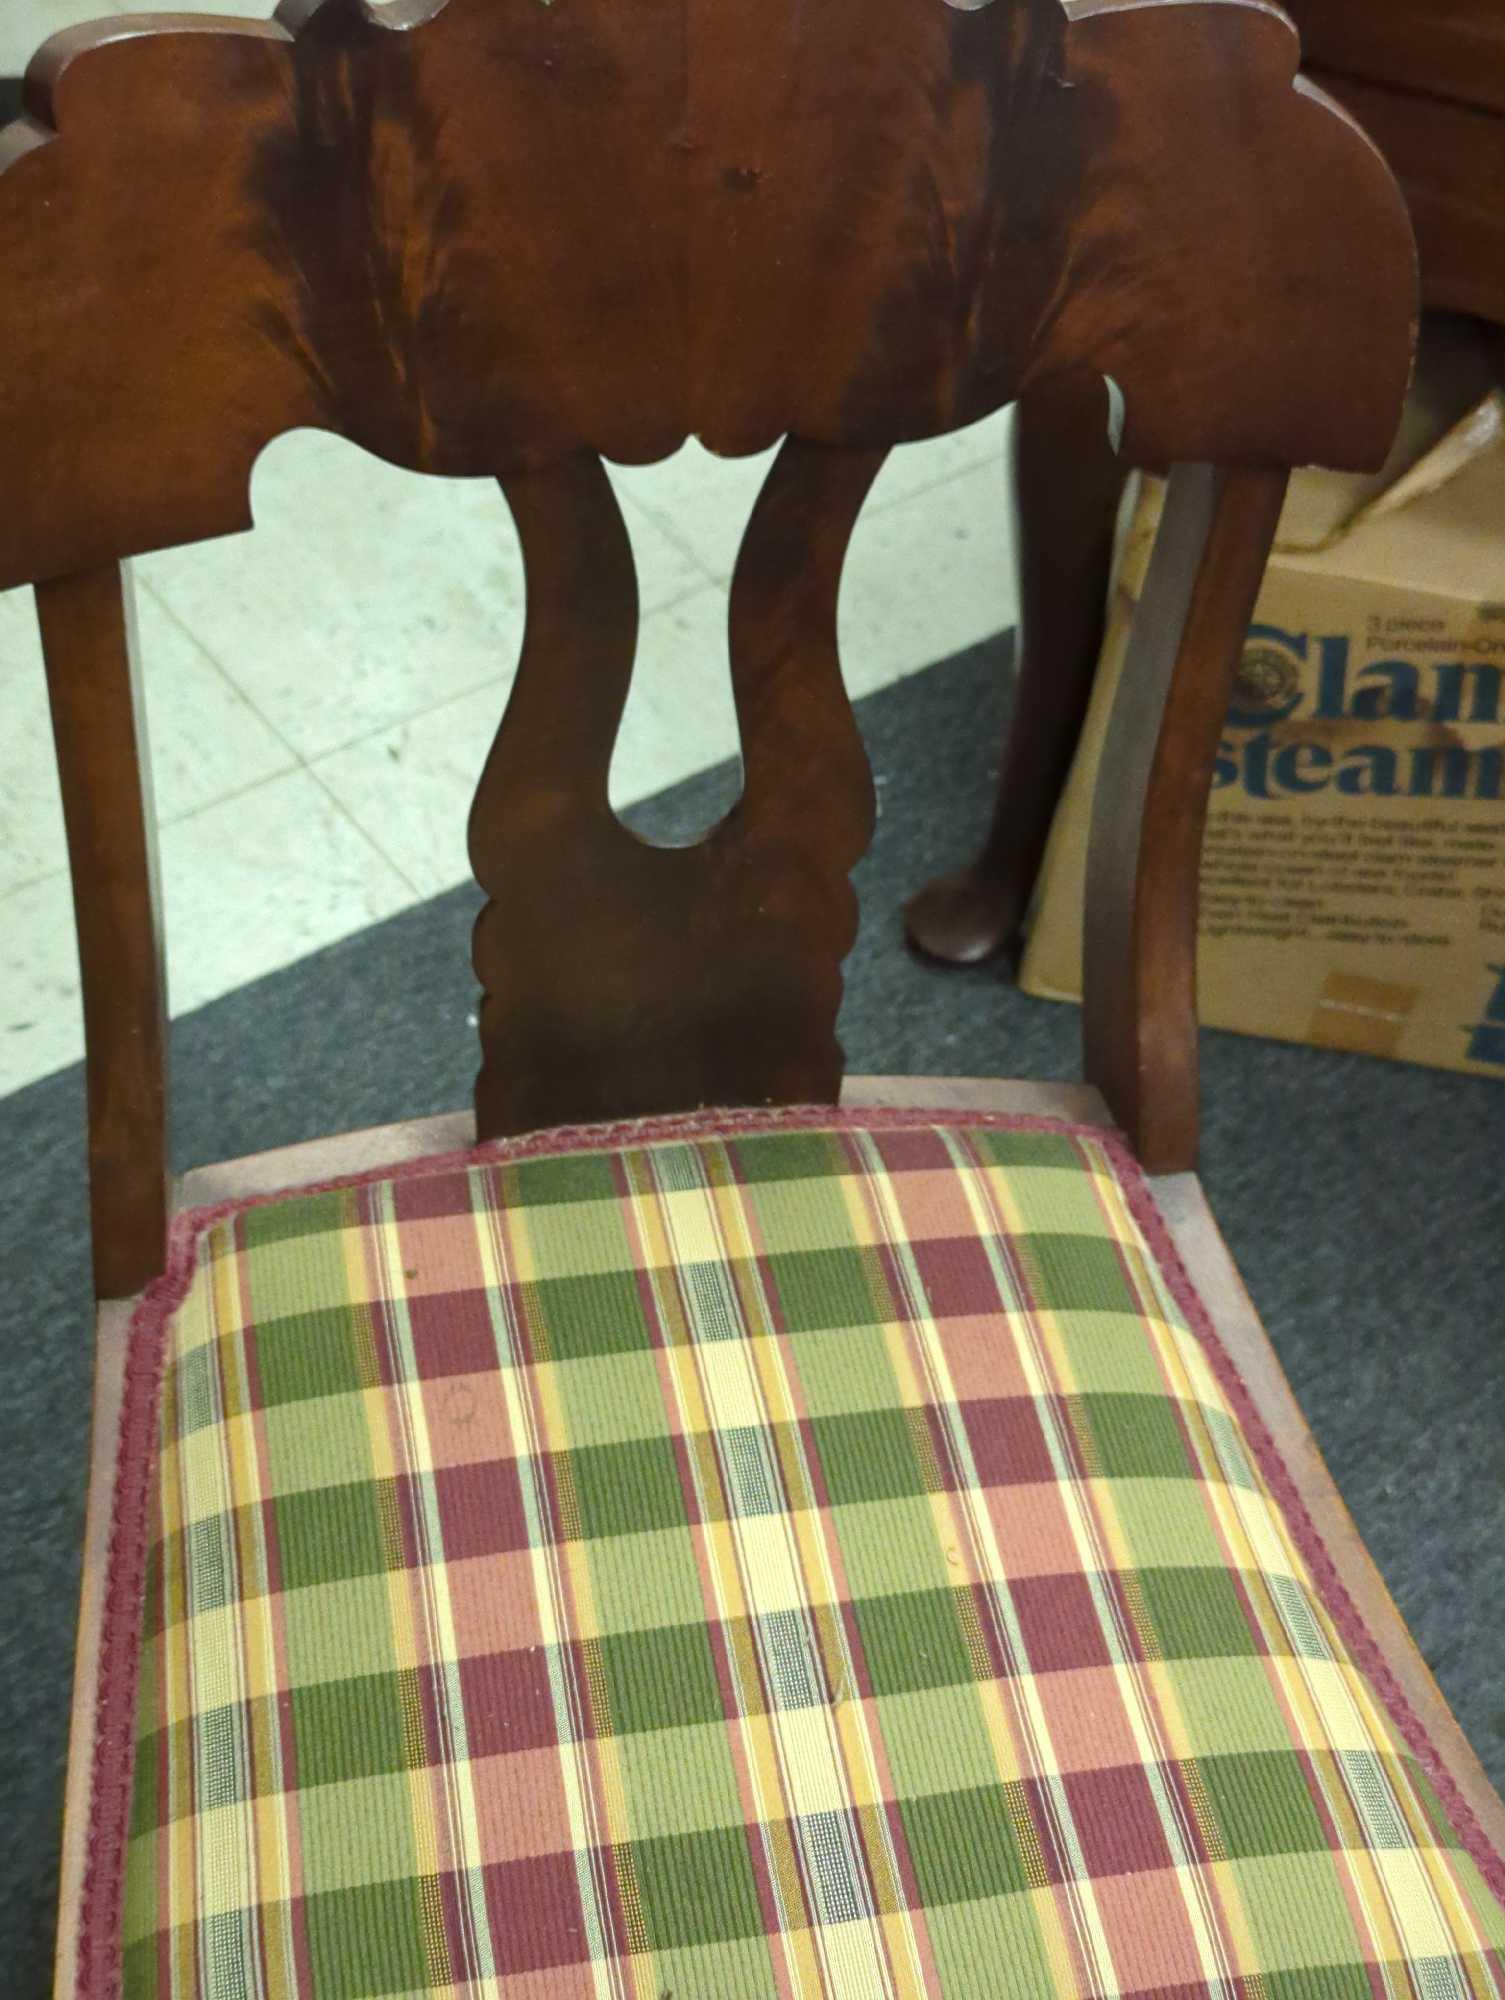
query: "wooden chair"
1099, 1691
1426, 78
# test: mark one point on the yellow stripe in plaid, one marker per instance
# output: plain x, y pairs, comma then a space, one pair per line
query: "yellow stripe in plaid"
801, 1559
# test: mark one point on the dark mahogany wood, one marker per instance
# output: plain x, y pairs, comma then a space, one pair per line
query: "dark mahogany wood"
506, 239
1426, 79
1139, 974
1450, 161
624, 978
1451, 49
1067, 480
473, 237
99, 727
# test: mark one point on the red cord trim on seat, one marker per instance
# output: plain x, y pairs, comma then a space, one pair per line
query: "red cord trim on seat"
99, 1941
1308, 1537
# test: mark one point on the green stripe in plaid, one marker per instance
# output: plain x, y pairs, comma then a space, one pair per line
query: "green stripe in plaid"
791, 1562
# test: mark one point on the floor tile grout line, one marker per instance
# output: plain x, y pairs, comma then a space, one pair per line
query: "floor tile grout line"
170, 611
34, 882
664, 520
306, 759
930, 486
699, 577
164, 820
367, 836
417, 895
302, 759
505, 680
308, 763
63, 872
161, 819
665, 526
308, 766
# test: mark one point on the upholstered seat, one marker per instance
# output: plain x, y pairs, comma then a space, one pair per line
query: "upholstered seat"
768, 1555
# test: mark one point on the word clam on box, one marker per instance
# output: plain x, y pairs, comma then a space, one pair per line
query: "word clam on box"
1353, 877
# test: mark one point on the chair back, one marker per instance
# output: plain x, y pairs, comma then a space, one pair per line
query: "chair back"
510, 238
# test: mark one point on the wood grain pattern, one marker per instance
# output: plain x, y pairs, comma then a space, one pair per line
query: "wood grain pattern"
505, 239
623, 978
1450, 161
477, 236
1449, 49
1139, 970
99, 727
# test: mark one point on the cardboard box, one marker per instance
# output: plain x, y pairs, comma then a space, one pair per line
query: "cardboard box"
1353, 877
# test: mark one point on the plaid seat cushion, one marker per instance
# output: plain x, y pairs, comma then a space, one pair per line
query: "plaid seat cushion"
763, 1557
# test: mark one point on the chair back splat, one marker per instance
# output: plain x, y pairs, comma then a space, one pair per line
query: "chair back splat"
509, 239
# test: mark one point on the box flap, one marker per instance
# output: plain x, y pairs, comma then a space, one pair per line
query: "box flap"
1456, 373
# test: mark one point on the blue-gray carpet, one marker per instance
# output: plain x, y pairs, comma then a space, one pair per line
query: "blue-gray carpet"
1365, 1204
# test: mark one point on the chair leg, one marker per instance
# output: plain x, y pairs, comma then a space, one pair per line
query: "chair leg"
1139, 1007
1067, 482
88, 642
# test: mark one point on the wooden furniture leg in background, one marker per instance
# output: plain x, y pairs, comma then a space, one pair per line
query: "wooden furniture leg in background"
1067, 482
1443, 135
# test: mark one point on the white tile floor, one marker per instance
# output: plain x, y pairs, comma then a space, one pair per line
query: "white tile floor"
321, 693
